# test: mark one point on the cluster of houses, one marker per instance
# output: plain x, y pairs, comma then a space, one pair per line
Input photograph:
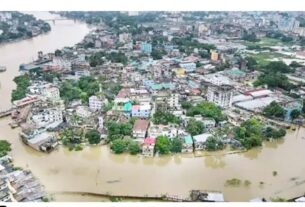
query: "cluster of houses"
148, 85
18, 185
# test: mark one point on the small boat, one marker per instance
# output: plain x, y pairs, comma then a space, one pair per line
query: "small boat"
2, 68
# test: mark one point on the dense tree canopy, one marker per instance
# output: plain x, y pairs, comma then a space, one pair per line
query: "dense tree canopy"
274, 110
22, 82
195, 127
118, 130
93, 136
206, 109
163, 145
249, 133
165, 118
212, 144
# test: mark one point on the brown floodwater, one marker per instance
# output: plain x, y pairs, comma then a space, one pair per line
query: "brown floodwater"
68, 175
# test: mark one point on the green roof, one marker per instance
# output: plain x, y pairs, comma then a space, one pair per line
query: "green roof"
127, 106
188, 139
235, 71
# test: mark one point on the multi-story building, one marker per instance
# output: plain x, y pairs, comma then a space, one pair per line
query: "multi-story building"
188, 66
48, 118
173, 101
165, 130
141, 111
140, 128
146, 47
214, 56
95, 103
148, 147
221, 95
100, 122
50, 92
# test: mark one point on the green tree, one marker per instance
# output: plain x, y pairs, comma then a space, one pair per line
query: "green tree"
206, 109
176, 145
194, 127
295, 113
93, 136
163, 145
212, 144
134, 148
274, 110
250, 133
165, 118
5, 147
119, 146
186, 105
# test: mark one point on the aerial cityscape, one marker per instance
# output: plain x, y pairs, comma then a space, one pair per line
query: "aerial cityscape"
152, 106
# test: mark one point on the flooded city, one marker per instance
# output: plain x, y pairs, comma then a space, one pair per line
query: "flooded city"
67, 175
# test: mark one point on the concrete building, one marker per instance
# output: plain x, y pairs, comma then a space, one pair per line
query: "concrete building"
173, 101
214, 56
146, 47
141, 111
100, 122
199, 140
221, 95
148, 147
170, 131
188, 66
140, 128
95, 103
50, 92
83, 112
187, 145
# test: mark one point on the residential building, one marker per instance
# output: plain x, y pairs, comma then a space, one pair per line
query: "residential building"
173, 101
214, 56
95, 103
188, 66
146, 47
100, 122
50, 92
47, 118
148, 147
187, 145
199, 140
141, 110
171, 131
83, 112
221, 95
140, 128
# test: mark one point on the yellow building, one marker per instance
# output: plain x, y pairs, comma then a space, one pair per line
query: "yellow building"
214, 56
180, 72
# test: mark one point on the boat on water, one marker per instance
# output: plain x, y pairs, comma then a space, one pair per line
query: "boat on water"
2, 68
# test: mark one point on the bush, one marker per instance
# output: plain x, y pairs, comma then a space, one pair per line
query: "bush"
93, 136
233, 182
119, 146
5, 147
195, 127
163, 145
134, 148
176, 145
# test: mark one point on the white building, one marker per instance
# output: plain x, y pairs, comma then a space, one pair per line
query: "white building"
221, 95
199, 140
173, 101
165, 130
95, 103
48, 118
50, 92
100, 122
188, 66
83, 112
